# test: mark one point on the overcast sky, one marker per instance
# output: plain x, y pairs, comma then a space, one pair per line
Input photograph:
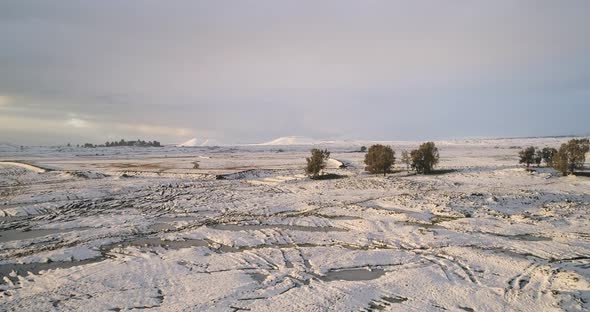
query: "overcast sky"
251, 71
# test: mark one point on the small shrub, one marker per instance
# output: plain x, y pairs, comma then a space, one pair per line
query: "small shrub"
317, 162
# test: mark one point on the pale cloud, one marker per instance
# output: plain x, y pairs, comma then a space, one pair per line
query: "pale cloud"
256, 70
153, 130
78, 123
77, 130
4, 100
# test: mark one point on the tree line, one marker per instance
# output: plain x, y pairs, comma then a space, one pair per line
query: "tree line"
570, 156
380, 159
140, 143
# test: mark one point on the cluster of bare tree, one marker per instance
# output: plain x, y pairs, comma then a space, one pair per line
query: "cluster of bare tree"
133, 143
570, 157
381, 158
531, 155
140, 143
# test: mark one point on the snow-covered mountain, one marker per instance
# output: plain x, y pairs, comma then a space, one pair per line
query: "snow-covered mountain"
295, 140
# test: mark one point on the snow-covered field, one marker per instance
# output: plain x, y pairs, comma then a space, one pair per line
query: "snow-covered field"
117, 229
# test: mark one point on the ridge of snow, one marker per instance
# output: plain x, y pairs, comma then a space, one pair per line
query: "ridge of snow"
295, 140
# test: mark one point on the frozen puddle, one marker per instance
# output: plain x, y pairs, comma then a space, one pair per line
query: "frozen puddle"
238, 227
424, 225
528, 237
384, 302
523, 237
259, 277
12, 235
194, 216
352, 275
178, 219
19, 269
157, 242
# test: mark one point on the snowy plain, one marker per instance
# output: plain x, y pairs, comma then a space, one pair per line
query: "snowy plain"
116, 229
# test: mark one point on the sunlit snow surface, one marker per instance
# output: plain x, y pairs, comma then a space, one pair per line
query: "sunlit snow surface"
137, 228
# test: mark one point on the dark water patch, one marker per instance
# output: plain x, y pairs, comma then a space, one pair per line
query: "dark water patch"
185, 218
578, 258
339, 217
239, 227
36, 268
289, 264
377, 306
396, 299
259, 277
9, 219
523, 237
158, 242
148, 242
352, 275
442, 171
230, 249
246, 174
514, 254
424, 225
20, 234
162, 227
384, 302
439, 219
329, 176
529, 237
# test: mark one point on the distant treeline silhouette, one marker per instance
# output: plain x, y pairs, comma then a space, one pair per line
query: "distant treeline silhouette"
140, 143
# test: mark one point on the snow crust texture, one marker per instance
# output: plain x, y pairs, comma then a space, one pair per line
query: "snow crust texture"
140, 229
